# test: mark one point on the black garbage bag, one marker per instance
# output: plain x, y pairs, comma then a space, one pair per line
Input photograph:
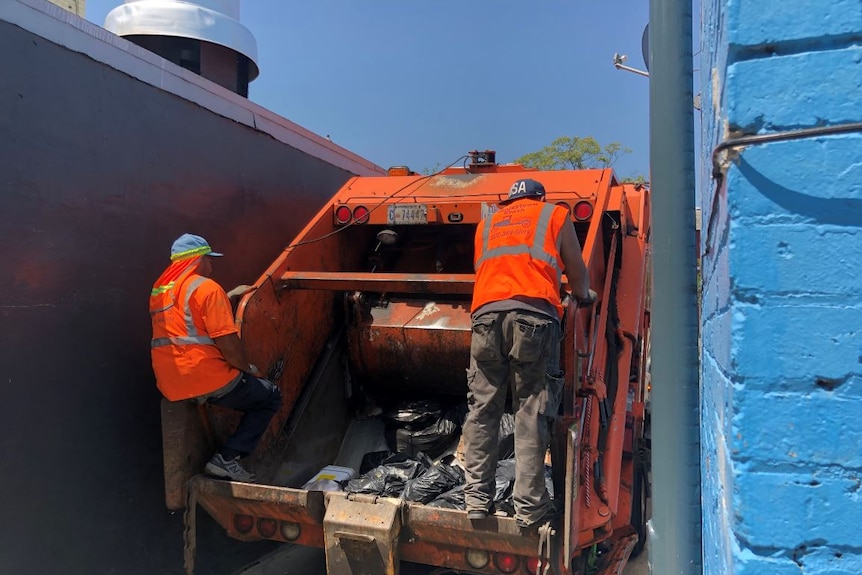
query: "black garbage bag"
389, 478
439, 479
432, 439
413, 415
452, 499
504, 483
506, 441
372, 459
504, 480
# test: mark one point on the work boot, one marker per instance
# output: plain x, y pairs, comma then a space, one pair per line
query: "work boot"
478, 514
550, 516
228, 469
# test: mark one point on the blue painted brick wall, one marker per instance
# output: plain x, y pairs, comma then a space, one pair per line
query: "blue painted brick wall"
782, 290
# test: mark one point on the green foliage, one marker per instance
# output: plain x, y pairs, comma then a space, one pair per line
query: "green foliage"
639, 179
426, 171
574, 153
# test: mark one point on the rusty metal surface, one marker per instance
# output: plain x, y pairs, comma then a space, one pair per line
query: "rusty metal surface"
451, 527
361, 535
185, 449
457, 284
393, 346
453, 186
615, 561
263, 493
223, 500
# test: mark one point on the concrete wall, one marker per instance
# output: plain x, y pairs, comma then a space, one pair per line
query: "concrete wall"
782, 313
78, 7
99, 172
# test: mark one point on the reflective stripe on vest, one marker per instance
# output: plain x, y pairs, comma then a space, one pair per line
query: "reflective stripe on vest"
536, 250
193, 337
199, 340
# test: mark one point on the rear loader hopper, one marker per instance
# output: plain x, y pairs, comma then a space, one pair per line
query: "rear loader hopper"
367, 311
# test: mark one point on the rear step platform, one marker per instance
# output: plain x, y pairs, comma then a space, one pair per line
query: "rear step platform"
361, 534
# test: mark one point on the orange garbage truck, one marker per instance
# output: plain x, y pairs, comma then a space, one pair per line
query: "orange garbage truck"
364, 323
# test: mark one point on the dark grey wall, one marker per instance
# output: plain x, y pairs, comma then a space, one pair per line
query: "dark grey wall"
98, 174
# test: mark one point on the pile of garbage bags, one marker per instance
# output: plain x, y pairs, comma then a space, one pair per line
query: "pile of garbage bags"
422, 426
437, 484
413, 478
421, 466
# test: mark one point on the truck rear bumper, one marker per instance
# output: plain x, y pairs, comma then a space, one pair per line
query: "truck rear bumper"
427, 535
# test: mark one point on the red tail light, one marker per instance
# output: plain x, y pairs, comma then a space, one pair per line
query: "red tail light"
243, 523
533, 565
360, 214
583, 210
342, 214
505, 562
565, 206
267, 527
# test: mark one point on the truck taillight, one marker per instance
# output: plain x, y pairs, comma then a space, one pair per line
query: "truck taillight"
290, 530
243, 523
532, 565
267, 526
477, 558
565, 206
360, 214
342, 214
583, 211
506, 562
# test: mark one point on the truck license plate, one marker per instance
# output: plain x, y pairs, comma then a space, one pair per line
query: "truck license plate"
410, 214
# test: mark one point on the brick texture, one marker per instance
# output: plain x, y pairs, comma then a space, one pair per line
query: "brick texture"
782, 295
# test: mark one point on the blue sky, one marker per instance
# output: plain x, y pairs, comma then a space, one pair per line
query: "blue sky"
421, 83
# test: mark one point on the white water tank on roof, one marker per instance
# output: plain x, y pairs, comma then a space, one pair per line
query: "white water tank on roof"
204, 36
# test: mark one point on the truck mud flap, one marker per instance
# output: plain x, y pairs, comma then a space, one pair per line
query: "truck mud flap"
615, 562
361, 534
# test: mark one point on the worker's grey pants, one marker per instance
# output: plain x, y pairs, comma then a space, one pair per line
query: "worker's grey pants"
522, 348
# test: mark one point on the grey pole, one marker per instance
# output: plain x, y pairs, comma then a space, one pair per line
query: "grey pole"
675, 544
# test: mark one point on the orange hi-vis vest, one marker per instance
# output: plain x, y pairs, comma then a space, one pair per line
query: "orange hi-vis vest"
517, 253
186, 318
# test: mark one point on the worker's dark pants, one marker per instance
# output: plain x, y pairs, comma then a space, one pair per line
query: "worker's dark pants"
259, 400
522, 348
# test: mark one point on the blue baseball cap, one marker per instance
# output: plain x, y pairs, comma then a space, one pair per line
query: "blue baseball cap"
525, 188
189, 246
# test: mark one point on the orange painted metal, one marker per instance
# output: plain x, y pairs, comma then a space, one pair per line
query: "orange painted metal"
403, 301
224, 500
389, 342
457, 284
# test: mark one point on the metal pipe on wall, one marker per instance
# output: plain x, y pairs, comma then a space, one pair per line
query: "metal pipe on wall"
675, 542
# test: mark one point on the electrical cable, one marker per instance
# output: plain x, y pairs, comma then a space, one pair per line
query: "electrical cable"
423, 180
757, 139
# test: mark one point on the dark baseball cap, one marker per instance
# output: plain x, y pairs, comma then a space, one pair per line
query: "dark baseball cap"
525, 188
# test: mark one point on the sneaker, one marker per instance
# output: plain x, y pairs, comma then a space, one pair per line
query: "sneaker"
228, 469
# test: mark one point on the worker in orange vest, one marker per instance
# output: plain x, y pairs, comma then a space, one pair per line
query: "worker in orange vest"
197, 354
521, 252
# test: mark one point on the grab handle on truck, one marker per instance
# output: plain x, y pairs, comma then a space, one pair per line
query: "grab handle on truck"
361, 537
